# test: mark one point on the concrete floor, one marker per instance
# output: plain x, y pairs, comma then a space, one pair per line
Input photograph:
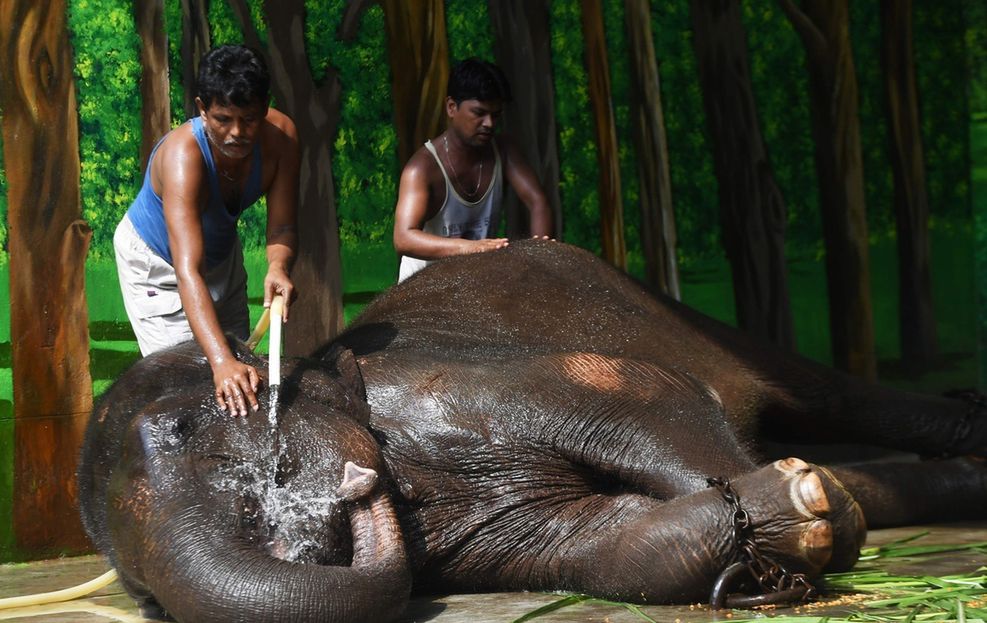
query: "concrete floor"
112, 604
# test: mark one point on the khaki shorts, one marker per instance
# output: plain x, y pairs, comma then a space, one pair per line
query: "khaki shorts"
150, 292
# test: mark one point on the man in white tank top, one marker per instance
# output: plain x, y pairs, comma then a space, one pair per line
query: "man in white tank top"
451, 189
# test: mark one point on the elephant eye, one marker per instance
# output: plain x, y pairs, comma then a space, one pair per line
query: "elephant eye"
164, 433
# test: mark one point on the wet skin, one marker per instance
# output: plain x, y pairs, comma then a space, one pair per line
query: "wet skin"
534, 421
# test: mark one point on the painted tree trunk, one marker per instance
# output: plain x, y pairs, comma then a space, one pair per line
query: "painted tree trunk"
598, 71
647, 116
823, 26
49, 330
522, 46
195, 43
911, 201
155, 102
419, 56
752, 211
317, 315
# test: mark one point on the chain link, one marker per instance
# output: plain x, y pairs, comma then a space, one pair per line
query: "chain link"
771, 577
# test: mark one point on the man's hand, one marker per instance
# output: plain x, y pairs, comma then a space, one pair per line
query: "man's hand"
236, 385
482, 246
277, 282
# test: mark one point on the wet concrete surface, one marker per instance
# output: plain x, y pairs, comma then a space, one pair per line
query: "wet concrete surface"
113, 604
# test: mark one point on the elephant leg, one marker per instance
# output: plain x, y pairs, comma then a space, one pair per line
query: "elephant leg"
673, 551
911, 493
848, 410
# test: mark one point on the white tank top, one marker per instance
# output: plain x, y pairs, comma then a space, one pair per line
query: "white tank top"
458, 218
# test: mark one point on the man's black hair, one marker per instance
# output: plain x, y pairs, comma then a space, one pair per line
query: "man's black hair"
233, 75
477, 79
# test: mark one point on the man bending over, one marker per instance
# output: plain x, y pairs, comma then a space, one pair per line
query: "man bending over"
177, 250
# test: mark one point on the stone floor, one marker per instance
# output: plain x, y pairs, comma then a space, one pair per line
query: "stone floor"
112, 604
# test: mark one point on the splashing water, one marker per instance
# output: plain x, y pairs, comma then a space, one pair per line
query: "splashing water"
289, 515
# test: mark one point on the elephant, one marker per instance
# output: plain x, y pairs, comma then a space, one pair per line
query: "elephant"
524, 419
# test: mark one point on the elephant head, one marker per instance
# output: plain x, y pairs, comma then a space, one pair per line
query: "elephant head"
280, 515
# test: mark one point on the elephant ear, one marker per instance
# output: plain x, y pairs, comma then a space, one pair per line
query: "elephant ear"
342, 364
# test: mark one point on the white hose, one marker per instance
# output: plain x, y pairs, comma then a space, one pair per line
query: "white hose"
274, 344
63, 595
81, 606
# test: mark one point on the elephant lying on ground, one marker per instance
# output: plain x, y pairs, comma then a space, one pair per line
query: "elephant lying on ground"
521, 419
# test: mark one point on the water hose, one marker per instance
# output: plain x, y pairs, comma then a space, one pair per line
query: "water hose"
274, 344
65, 594
274, 372
260, 329
277, 307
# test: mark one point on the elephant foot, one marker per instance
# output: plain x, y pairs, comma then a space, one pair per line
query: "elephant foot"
969, 434
800, 516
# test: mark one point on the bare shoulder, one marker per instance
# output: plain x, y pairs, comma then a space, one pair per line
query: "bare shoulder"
178, 157
421, 166
280, 130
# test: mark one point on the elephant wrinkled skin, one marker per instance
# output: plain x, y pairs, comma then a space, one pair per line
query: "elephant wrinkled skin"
526, 419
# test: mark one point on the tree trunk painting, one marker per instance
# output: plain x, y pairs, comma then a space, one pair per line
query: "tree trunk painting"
419, 56
598, 70
195, 43
647, 117
49, 329
911, 201
823, 26
522, 46
317, 315
752, 210
156, 107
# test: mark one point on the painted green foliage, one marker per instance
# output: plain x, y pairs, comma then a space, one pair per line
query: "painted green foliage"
777, 57
577, 151
107, 70
364, 165
469, 30
364, 162
690, 159
943, 84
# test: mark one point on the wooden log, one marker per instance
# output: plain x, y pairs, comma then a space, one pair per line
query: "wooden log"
605, 128
48, 245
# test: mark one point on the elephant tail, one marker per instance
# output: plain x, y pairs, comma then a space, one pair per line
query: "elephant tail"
198, 571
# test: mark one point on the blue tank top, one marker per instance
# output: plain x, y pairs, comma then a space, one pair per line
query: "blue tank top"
218, 223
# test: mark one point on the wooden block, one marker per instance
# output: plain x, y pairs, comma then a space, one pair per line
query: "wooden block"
46, 509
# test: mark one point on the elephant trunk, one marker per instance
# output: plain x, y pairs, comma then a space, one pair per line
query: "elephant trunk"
199, 572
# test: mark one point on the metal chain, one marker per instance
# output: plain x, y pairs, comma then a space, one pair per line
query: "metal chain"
772, 578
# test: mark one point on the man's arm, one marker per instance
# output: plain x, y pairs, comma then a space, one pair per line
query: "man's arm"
180, 180
282, 211
525, 183
410, 216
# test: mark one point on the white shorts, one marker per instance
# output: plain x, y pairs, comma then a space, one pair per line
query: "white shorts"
150, 292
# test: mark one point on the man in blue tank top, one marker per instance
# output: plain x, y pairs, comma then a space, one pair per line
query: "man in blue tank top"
451, 189
177, 250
